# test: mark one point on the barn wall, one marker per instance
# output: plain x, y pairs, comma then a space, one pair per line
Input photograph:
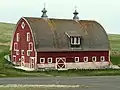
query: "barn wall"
22, 42
80, 65
70, 55
70, 62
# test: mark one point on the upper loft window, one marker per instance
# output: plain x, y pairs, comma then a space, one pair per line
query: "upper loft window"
23, 25
75, 40
74, 37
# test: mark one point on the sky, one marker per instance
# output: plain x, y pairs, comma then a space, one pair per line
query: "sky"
106, 12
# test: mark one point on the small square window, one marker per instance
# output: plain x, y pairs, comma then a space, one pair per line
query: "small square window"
22, 52
14, 58
102, 58
22, 58
85, 59
49, 60
42, 60
76, 59
94, 58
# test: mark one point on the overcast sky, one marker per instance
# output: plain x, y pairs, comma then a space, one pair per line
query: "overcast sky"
106, 12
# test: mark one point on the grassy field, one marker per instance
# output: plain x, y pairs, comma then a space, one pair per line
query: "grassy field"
6, 70
114, 40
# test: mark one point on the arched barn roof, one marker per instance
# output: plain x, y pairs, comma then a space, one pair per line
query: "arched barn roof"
50, 34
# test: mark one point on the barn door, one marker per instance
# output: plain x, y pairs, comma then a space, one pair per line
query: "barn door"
60, 63
22, 60
32, 62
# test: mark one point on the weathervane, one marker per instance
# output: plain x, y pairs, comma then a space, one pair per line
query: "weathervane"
44, 15
75, 14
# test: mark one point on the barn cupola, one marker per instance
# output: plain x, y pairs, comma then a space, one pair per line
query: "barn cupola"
75, 15
44, 11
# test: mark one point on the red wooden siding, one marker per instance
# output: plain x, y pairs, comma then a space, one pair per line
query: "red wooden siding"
72, 54
22, 42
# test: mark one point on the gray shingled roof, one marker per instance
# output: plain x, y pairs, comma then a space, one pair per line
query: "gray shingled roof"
50, 34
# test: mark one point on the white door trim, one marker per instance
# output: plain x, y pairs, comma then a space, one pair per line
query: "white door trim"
63, 59
32, 62
22, 60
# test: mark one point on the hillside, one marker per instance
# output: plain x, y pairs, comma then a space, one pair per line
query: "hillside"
6, 31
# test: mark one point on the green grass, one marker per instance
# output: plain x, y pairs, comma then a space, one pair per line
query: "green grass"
6, 69
6, 31
114, 40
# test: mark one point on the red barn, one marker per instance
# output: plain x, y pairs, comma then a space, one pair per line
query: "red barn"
45, 43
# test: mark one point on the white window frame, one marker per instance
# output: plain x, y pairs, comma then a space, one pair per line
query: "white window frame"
22, 61
78, 40
17, 52
77, 59
74, 40
85, 58
14, 56
43, 60
31, 46
49, 59
22, 52
102, 60
28, 36
15, 46
28, 52
23, 58
17, 37
93, 58
23, 25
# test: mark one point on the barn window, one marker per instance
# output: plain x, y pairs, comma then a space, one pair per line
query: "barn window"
94, 58
28, 36
85, 59
23, 25
14, 58
76, 59
32, 59
72, 40
102, 58
17, 37
30, 47
75, 40
42, 60
22, 60
17, 52
15, 46
28, 52
22, 52
49, 60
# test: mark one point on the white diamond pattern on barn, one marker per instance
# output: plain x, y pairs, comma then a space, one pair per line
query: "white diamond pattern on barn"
23, 25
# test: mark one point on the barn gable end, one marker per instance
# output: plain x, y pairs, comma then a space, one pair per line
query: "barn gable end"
23, 47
